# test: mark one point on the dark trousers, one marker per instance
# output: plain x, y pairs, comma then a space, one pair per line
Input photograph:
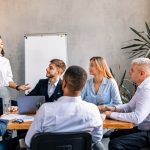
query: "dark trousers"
11, 144
129, 139
98, 146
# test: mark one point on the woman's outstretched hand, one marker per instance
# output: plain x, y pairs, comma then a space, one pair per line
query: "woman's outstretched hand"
24, 87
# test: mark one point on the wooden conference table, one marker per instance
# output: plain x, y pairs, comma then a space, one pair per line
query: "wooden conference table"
108, 123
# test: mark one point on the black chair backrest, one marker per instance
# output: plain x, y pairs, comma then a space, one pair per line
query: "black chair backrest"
61, 141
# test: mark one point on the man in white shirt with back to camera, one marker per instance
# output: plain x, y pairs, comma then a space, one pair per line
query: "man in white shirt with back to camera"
69, 113
136, 111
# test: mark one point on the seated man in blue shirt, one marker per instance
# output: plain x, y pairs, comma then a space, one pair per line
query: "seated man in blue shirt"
136, 111
50, 87
65, 114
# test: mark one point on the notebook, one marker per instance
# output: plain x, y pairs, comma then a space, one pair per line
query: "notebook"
29, 104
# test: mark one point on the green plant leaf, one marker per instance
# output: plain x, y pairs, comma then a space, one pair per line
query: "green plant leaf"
136, 50
147, 35
136, 32
126, 92
122, 79
142, 55
133, 45
145, 43
141, 48
138, 40
112, 72
147, 54
136, 54
148, 30
124, 99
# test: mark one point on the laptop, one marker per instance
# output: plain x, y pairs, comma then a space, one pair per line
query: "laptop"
29, 104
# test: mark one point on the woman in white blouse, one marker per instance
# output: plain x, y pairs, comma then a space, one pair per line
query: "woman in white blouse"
6, 77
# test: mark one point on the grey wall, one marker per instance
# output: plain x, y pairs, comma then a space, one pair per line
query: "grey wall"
94, 27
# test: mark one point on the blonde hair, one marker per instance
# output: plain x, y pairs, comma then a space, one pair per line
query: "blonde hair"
102, 66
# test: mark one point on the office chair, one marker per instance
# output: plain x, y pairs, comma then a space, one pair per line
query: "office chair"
61, 141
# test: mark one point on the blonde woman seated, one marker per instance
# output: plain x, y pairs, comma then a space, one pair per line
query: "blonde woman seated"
102, 89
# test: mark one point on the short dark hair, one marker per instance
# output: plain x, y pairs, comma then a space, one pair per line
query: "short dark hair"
2, 51
59, 63
75, 77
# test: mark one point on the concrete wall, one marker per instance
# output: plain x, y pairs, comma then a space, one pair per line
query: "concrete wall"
94, 27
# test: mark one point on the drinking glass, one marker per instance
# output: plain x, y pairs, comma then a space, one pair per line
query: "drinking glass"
6, 108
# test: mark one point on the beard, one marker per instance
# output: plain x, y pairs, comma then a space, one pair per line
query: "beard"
49, 76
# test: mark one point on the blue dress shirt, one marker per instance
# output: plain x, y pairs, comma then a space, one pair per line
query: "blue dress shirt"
108, 92
52, 87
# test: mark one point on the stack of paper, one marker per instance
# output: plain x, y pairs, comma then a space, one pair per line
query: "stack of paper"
25, 118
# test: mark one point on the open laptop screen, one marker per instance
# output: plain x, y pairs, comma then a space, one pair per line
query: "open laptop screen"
29, 104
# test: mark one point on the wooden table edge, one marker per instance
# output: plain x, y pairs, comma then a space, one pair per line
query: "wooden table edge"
116, 124
19, 126
108, 123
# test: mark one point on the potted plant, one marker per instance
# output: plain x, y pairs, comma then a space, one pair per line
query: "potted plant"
140, 46
126, 88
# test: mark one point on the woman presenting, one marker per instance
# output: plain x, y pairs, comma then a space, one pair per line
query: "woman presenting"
6, 77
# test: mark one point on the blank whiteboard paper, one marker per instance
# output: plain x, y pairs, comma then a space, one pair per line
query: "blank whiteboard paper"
39, 50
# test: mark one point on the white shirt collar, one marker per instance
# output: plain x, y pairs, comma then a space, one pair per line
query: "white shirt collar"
70, 99
143, 83
55, 84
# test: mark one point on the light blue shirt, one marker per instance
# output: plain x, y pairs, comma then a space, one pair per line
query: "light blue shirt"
137, 110
52, 87
108, 93
67, 114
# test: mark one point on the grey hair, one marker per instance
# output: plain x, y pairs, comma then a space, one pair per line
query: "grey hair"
141, 61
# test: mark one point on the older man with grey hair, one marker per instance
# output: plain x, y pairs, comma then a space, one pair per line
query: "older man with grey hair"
136, 111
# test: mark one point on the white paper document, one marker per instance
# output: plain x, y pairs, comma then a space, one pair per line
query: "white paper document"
25, 118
